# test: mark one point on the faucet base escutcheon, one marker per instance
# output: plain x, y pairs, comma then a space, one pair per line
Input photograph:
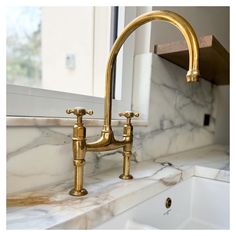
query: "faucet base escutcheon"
78, 193
125, 177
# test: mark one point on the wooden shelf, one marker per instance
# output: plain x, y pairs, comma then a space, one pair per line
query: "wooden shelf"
214, 58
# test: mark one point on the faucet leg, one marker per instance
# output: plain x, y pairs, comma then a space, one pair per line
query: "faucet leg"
79, 152
127, 153
78, 189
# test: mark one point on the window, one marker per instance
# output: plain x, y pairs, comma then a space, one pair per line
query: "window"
56, 59
24, 46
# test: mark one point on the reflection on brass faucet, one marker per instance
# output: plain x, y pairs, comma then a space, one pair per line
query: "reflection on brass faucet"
107, 140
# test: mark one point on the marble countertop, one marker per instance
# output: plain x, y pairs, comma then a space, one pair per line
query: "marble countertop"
53, 208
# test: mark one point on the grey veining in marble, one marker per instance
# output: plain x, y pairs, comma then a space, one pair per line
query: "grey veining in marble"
46, 137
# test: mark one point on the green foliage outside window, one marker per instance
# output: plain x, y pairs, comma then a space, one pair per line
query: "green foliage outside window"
24, 47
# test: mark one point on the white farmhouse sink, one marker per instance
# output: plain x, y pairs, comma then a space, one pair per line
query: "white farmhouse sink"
197, 203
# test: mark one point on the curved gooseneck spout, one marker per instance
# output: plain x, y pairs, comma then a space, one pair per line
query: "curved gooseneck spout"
167, 16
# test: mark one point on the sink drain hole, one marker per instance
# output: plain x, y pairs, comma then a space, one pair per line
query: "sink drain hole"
168, 202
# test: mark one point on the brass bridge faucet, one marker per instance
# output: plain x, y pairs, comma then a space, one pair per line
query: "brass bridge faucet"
107, 140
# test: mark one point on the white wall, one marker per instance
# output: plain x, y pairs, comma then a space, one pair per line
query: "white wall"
222, 115
83, 32
62, 29
205, 21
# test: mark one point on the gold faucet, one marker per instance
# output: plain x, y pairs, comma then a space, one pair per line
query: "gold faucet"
107, 140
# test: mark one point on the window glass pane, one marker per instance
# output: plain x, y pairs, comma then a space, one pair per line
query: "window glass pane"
59, 48
24, 46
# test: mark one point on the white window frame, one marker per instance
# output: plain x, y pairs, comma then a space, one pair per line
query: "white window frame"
34, 102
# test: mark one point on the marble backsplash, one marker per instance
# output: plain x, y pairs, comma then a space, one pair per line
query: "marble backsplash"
38, 156
176, 112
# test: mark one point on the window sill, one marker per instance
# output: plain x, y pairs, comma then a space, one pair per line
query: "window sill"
13, 121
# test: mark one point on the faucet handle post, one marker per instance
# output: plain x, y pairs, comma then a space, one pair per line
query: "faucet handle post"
79, 150
127, 149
